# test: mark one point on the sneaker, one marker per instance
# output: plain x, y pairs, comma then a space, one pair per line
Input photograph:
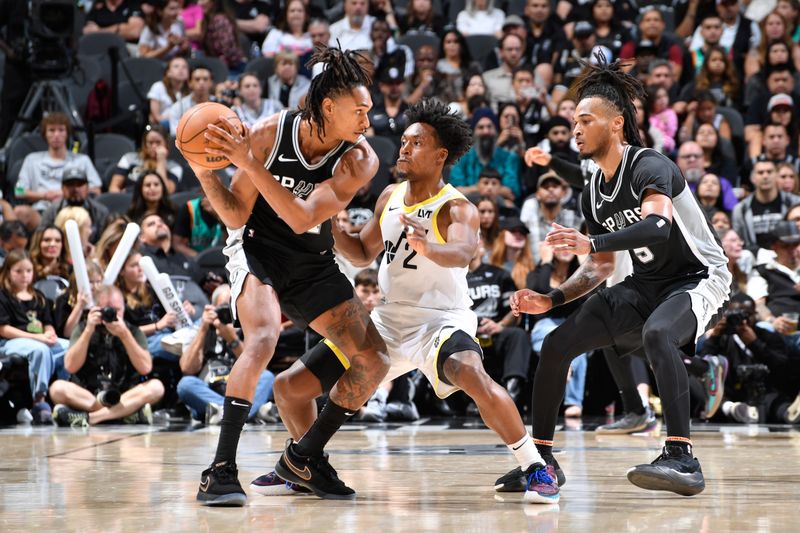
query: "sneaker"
714, 382
673, 470
213, 414
793, 411
630, 423
41, 413
271, 485
746, 414
314, 473
143, 416
374, 411
541, 486
66, 417
268, 413
517, 481
402, 411
24, 416
220, 487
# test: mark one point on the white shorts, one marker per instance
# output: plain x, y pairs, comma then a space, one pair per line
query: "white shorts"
414, 336
709, 296
237, 264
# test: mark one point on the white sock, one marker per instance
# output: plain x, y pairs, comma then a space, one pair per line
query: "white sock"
727, 407
525, 452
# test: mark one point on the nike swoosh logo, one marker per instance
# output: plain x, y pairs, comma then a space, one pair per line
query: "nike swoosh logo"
520, 446
204, 484
286, 160
233, 402
348, 414
393, 208
305, 473
599, 205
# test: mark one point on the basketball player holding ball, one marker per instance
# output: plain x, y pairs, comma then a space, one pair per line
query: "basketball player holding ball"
296, 170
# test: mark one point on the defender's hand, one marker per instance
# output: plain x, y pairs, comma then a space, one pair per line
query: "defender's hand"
528, 301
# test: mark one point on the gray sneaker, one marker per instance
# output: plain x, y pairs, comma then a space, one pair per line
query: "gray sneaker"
402, 411
374, 411
746, 414
630, 423
213, 414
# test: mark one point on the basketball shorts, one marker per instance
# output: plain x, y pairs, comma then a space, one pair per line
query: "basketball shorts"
307, 284
416, 338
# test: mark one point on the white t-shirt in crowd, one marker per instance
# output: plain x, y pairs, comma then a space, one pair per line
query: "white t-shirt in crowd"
40, 173
352, 39
480, 22
158, 92
148, 38
278, 41
269, 106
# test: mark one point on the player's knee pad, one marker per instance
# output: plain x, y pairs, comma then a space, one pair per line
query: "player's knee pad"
327, 363
459, 341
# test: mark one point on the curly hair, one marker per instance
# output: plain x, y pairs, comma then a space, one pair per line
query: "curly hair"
452, 132
343, 71
609, 82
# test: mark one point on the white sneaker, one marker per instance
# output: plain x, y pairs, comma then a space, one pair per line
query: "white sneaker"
268, 413
213, 414
177, 341
24, 416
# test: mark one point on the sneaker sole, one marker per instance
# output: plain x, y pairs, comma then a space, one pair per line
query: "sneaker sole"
284, 473
621, 431
793, 412
275, 490
222, 500
657, 479
536, 498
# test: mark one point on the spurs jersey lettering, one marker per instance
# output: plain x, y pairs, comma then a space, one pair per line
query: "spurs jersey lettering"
293, 172
692, 251
408, 278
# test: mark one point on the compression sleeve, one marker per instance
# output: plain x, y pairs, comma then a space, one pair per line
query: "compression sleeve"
653, 229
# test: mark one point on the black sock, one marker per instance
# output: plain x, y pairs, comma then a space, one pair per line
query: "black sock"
234, 415
327, 423
696, 366
682, 444
543, 447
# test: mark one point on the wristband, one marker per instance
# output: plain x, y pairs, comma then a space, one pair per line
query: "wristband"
556, 297
235, 343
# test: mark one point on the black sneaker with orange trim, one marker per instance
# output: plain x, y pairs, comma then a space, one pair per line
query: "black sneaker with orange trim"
220, 487
314, 473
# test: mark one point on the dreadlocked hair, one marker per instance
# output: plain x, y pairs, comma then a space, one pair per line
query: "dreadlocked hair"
453, 133
343, 71
609, 82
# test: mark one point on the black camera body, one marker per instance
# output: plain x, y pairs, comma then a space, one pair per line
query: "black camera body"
50, 33
108, 314
733, 319
224, 314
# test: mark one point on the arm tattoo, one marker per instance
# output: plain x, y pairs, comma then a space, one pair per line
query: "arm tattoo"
582, 281
219, 194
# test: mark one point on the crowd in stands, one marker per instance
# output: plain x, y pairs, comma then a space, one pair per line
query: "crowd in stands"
722, 80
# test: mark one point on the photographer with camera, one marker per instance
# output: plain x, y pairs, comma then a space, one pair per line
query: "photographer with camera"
109, 362
207, 361
756, 383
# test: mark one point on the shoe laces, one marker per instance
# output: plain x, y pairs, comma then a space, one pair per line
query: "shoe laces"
539, 477
321, 462
225, 472
76, 419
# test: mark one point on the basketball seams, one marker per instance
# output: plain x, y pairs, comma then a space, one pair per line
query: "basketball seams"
185, 145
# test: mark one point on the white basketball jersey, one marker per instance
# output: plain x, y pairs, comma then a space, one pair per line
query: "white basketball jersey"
406, 277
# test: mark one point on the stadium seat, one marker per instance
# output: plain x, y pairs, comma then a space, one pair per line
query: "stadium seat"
112, 146
385, 149
456, 7
219, 70
116, 202
417, 40
179, 199
480, 46
52, 287
263, 67
213, 260
144, 72
98, 44
24, 145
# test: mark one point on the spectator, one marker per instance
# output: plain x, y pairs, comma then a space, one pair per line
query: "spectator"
781, 83
108, 360
220, 38
715, 159
542, 209
558, 143
703, 110
499, 80
483, 153
69, 306
84, 220
773, 28
759, 212
352, 31
163, 36
383, 9
654, 40
75, 193
511, 137
774, 142
662, 117
740, 261
123, 17
480, 17
531, 99
26, 323
42, 173
421, 18
710, 35
13, 236
512, 250
254, 19
709, 194
490, 224
652, 136
788, 178
172, 87
454, 64
489, 185
153, 156
254, 108
739, 34
553, 269
150, 196
718, 76
109, 240
291, 33
787, 117
546, 36
48, 254
207, 361
156, 242
582, 47
287, 86
197, 228
319, 30
512, 25
200, 84
385, 51
609, 29
507, 352
744, 343
387, 116
422, 83
721, 221
691, 162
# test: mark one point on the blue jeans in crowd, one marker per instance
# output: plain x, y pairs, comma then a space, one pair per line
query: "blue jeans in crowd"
41, 359
196, 394
575, 386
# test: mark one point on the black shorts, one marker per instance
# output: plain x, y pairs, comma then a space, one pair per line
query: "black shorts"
625, 308
307, 284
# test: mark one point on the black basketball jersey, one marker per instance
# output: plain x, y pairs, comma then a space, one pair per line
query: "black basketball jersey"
693, 247
287, 164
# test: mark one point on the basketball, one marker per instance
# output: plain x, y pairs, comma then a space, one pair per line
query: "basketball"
191, 141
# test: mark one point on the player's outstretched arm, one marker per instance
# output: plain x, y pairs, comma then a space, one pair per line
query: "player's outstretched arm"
363, 247
462, 221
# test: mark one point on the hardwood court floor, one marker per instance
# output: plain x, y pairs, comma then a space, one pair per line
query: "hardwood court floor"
409, 478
